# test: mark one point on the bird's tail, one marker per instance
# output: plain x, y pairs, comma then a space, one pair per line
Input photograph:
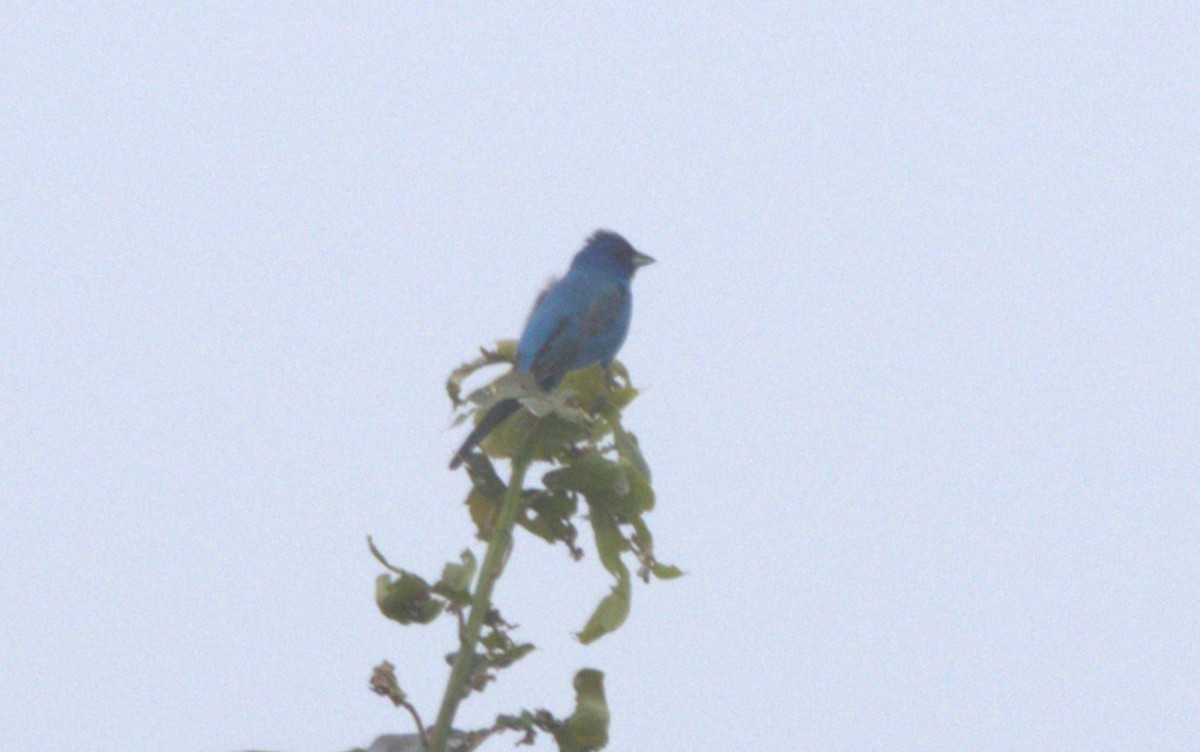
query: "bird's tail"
494, 417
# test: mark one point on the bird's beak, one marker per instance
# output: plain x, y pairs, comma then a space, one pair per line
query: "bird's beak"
641, 259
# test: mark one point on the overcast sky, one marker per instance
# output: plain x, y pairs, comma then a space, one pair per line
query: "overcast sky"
920, 365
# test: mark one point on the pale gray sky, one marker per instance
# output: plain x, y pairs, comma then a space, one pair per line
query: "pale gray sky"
920, 363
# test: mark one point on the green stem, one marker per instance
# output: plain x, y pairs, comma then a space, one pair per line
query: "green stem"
481, 602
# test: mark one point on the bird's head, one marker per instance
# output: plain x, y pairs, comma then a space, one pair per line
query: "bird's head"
609, 251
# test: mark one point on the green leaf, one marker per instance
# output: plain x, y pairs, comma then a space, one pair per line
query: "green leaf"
599, 479
616, 487
407, 599
627, 445
507, 438
586, 729
609, 542
614, 607
548, 515
642, 543
639, 497
666, 571
610, 614
587, 384
561, 419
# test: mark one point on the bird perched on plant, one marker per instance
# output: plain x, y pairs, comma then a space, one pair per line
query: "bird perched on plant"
579, 320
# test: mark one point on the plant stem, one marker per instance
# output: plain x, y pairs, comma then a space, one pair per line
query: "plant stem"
481, 601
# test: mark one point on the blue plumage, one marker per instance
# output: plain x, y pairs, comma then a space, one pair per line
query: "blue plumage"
579, 320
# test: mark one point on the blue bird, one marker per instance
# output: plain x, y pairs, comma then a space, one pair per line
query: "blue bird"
579, 320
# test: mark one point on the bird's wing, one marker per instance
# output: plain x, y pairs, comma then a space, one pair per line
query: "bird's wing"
581, 318
554, 358
542, 295
598, 318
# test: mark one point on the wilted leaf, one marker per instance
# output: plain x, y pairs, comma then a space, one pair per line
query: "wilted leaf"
505, 658
498, 644
383, 682
483, 511
380, 557
505, 352
455, 584
479, 672
511, 385
586, 729
407, 599
526, 723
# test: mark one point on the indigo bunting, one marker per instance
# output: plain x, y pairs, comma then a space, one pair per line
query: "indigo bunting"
579, 320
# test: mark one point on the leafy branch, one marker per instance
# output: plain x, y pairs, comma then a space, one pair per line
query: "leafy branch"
578, 430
